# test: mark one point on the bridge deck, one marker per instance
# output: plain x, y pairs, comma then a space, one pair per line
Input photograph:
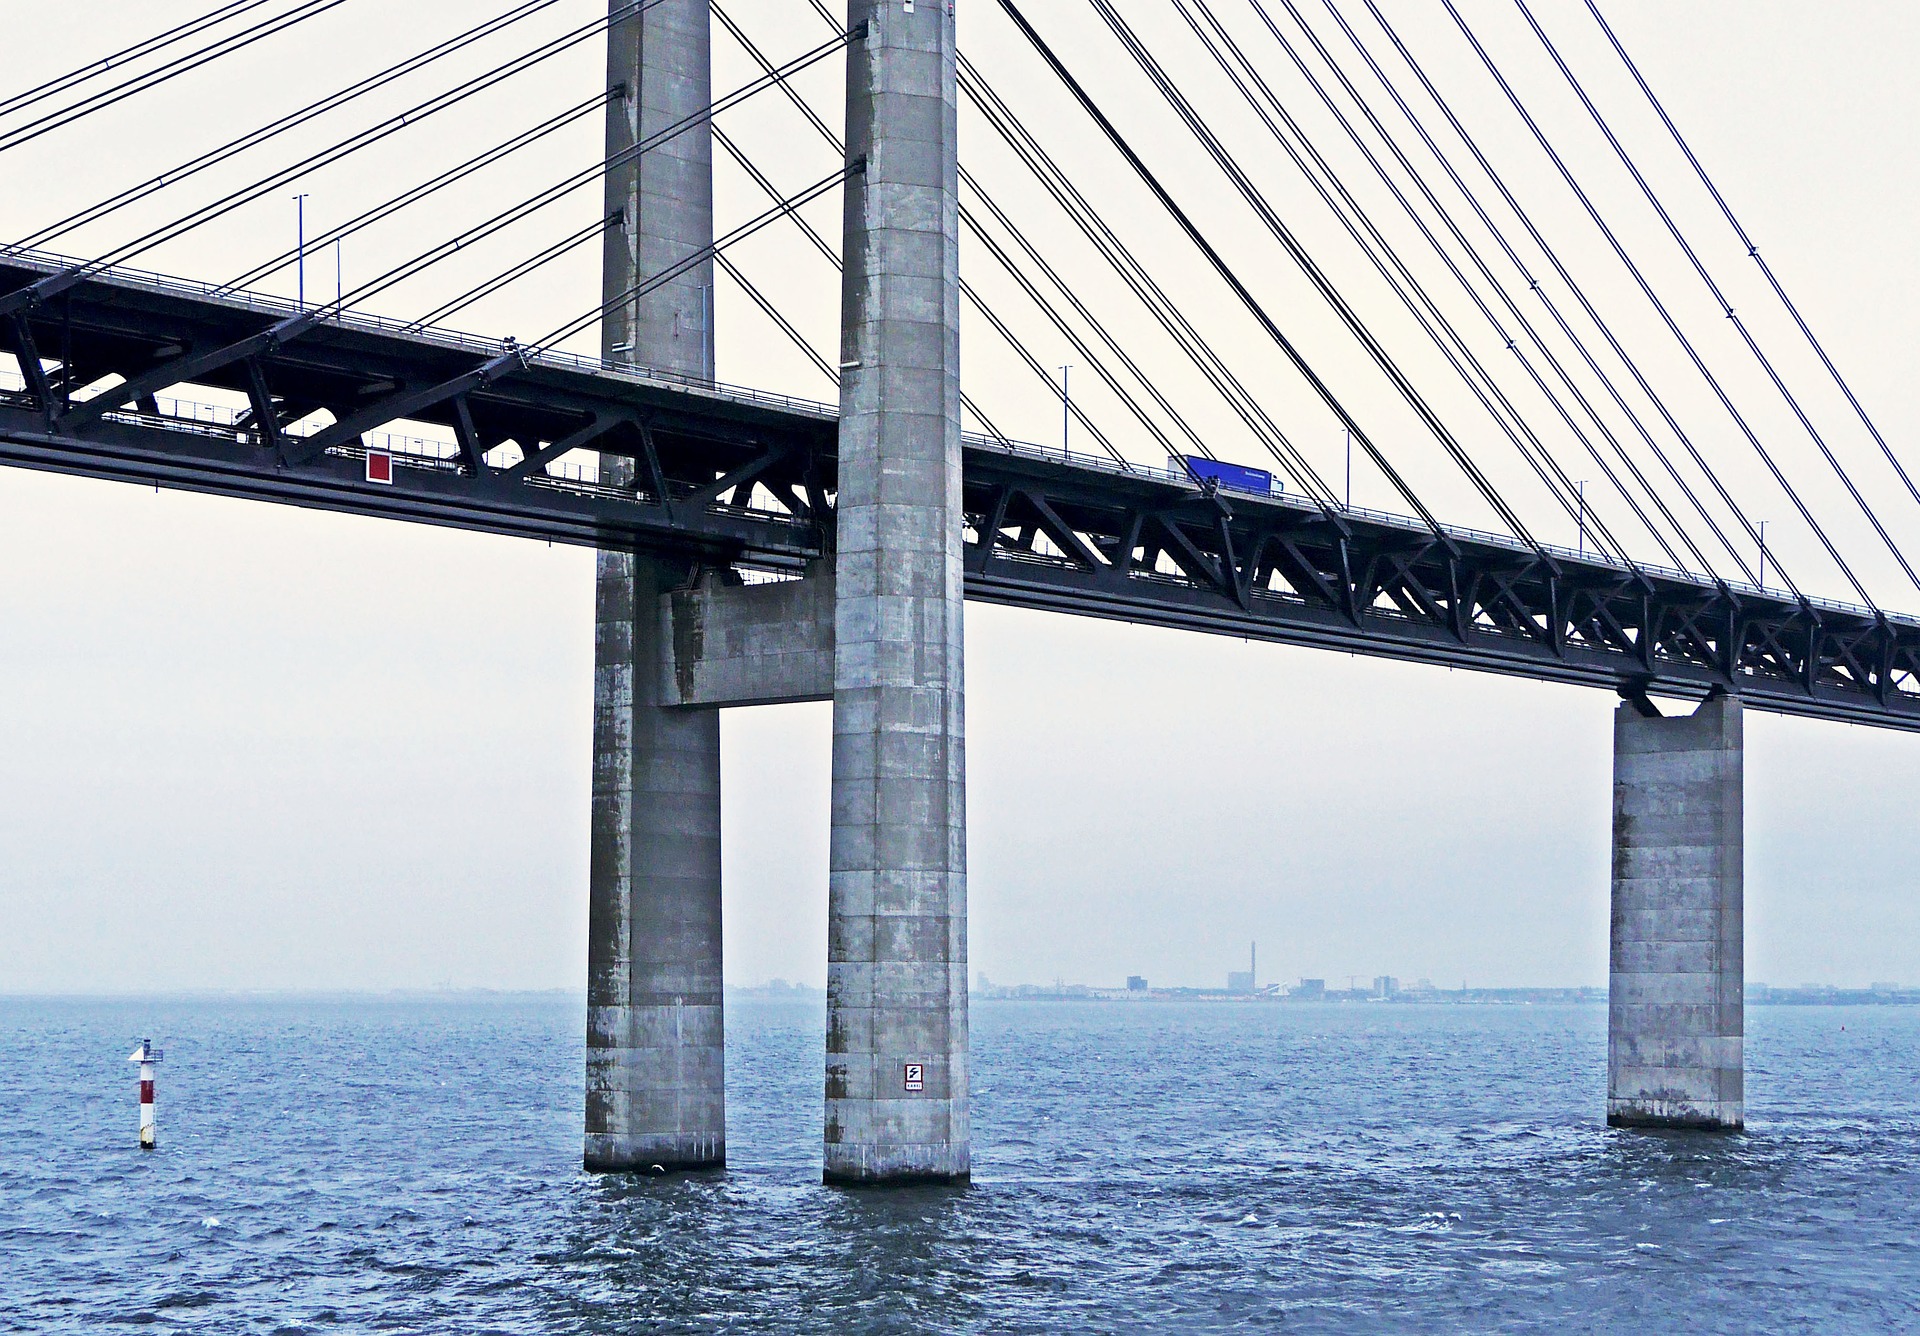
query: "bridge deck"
733, 477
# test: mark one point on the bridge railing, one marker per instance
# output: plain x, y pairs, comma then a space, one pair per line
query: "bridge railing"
1588, 558
479, 345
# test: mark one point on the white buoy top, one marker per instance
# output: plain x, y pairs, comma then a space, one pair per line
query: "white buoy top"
145, 1053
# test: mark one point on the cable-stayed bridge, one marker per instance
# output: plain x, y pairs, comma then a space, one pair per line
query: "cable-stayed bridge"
760, 547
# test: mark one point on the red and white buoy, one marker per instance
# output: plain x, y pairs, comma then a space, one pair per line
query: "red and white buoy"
146, 1055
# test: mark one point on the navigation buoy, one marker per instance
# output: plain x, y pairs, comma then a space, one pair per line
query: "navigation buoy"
146, 1055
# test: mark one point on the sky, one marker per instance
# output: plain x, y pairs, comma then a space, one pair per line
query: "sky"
250, 747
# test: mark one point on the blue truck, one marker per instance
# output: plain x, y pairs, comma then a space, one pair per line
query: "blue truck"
1238, 477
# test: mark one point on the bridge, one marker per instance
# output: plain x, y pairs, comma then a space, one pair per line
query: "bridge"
757, 548
731, 479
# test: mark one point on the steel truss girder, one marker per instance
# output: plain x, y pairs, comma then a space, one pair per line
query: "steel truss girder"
1128, 546
1393, 591
143, 338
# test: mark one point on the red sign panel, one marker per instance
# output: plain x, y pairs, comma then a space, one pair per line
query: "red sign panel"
379, 467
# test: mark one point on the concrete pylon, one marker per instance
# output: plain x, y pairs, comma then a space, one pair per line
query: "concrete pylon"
663, 57
1676, 1015
896, 1087
656, 1057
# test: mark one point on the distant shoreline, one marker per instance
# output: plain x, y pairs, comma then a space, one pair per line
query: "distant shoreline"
1760, 995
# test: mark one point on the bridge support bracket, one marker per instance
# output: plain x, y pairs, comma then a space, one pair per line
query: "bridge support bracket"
760, 644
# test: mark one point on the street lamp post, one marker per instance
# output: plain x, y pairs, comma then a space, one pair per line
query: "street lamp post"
300, 247
1066, 409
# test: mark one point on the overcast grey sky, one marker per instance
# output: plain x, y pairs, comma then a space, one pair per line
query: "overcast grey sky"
243, 746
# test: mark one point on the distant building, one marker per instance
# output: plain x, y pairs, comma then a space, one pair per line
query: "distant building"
1385, 985
1239, 982
1313, 989
1136, 984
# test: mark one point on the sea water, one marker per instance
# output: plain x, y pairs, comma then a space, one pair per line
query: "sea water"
1142, 1166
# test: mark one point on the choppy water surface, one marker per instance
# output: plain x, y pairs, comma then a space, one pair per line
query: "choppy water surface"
412, 1167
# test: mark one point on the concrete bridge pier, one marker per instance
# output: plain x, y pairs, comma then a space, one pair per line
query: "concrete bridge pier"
896, 1069
1676, 1013
655, 1081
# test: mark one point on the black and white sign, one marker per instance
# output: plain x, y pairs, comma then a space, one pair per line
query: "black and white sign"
916, 1076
